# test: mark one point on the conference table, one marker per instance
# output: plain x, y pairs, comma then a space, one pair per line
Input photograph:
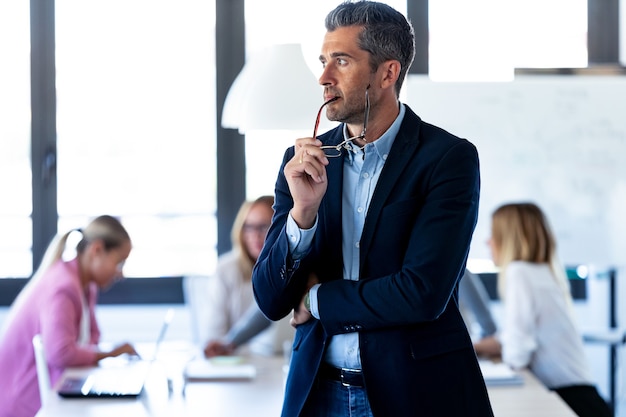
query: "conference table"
167, 393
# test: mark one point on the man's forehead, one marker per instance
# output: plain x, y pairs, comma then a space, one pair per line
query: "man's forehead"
342, 41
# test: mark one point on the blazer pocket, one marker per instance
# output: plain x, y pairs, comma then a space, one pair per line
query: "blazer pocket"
423, 347
305, 331
403, 208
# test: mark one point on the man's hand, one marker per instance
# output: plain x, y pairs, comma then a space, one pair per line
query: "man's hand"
306, 177
302, 314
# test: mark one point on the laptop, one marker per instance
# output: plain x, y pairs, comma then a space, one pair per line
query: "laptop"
124, 380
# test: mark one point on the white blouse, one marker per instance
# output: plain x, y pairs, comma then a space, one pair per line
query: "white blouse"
539, 331
229, 296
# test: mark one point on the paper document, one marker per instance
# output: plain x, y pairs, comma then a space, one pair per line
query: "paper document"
217, 369
499, 374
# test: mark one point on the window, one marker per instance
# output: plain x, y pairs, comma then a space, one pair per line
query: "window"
136, 126
15, 172
485, 40
136, 107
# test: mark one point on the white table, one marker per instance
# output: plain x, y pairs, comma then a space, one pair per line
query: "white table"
259, 397
530, 399
262, 397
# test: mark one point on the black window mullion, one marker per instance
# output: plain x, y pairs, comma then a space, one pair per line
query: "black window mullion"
43, 126
231, 155
603, 31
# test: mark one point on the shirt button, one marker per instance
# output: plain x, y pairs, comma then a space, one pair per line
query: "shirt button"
292, 238
366, 175
357, 245
359, 210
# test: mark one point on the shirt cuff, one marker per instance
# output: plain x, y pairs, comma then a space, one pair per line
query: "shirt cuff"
299, 239
313, 300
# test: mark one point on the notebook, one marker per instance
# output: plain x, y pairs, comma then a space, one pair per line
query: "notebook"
125, 380
219, 368
499, 374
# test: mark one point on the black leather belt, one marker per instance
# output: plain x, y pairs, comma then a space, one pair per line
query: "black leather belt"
347, 377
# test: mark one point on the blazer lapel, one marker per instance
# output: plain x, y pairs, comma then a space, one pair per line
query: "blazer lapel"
331, 207
402, 152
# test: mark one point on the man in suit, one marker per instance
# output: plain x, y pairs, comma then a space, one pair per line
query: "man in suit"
369, 239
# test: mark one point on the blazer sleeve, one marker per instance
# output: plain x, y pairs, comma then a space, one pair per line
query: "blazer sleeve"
278, 280
415, 241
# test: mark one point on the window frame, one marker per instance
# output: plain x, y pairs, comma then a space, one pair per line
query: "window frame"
603, 48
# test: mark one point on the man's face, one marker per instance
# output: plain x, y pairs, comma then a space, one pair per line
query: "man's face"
346, 74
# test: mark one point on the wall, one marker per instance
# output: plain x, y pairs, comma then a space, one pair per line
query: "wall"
557, 140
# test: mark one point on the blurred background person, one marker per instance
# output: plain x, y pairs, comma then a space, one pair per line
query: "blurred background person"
251, 324
538, 331
230, 288
59, 304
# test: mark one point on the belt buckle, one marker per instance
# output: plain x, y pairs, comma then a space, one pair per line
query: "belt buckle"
342, 372
343, 382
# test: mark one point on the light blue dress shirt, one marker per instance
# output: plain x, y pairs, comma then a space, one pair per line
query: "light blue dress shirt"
360, 175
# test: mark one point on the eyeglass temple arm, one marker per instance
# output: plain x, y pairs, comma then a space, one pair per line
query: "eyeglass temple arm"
319, 115
367, 110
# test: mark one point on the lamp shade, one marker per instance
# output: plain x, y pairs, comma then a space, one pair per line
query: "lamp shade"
275, 90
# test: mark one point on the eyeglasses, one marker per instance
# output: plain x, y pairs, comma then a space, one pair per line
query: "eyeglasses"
256, 228
334, 151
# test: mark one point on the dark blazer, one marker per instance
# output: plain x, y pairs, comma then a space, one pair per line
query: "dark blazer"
416, 353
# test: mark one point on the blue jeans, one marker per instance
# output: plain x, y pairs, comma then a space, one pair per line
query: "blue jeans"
332, 399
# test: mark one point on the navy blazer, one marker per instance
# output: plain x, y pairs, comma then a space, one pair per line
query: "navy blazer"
416, 353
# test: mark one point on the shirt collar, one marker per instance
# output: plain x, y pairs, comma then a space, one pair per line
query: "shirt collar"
382, 146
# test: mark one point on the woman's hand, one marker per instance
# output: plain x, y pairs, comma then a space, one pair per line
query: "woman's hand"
125, 348
218, 348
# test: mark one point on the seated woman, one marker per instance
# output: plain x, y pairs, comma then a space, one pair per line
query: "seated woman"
538, 331
59, 304
230, 295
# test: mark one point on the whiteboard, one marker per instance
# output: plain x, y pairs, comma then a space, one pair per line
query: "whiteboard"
556, 140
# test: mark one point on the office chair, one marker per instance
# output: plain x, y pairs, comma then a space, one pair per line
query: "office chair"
43, 374
195, 288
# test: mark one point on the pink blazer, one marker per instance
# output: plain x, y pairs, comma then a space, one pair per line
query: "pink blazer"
53, 308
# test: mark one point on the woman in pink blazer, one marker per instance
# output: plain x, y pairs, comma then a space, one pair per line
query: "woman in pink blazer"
58, 303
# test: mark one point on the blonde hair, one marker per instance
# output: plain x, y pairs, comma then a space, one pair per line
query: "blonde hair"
521, 232
106, 228
246, 260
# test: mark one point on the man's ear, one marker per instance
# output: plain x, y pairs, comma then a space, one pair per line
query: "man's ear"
390, 71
